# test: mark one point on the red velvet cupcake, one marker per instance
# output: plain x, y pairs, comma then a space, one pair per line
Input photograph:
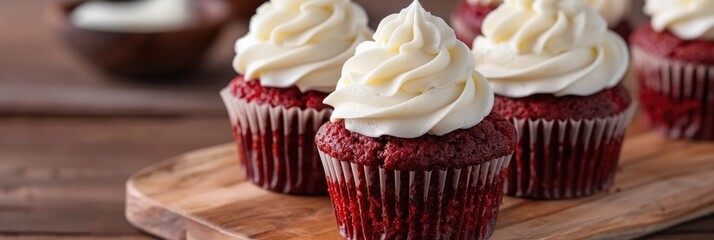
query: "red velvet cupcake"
468, 18
413, 151
430, 187
564, 99
470, 14
287, 67
569, 146
274, 132
674, 61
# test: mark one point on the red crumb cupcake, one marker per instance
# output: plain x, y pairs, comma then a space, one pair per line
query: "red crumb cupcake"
430, 187
470, 14
275, 105
674, 63
274, 131
413, 150
569, 146
565, 100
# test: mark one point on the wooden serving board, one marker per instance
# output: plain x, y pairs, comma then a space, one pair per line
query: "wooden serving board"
202, 195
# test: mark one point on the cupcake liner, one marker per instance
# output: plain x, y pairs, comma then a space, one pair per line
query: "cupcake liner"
557, 159
276, 145
455, 203
677, 97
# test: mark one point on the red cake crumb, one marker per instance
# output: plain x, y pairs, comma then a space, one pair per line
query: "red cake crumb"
607, 102
252, 91
666, 45
494, 137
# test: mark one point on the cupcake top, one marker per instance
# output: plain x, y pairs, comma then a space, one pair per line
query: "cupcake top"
559, 47
414, 78
301, 43
687, 19
614, 11
135, 16
494, 137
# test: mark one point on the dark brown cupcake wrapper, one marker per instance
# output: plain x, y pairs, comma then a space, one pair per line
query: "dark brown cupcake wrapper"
375, 203
276, 145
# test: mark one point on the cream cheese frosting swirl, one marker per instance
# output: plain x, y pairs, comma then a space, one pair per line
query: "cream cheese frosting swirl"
301, 43
688, 19
613, 11
559, 47
414, 79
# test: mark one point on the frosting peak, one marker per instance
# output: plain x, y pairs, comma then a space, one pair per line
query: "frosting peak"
414, 78
301, 43
560, 47
688, 19
412, 30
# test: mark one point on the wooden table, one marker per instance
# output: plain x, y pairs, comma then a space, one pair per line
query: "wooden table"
70, 136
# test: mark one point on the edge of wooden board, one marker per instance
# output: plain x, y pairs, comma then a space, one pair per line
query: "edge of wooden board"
150, 215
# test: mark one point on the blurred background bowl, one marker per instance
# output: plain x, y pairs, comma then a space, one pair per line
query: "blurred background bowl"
244, 9
143, 55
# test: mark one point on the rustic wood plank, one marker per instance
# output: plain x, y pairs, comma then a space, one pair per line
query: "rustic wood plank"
67, 175
135, 236
689, 236
52, 99
700, 226
658, 186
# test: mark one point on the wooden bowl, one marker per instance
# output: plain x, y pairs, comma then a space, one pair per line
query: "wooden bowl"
143, 55
244, 9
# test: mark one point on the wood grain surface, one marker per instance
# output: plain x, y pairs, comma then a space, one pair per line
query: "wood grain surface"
70, 136
203, 195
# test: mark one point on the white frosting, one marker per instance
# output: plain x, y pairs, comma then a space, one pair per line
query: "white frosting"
688, 19
301, 43
558, 47
485, 2
414, 79
613, 11
135, 16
